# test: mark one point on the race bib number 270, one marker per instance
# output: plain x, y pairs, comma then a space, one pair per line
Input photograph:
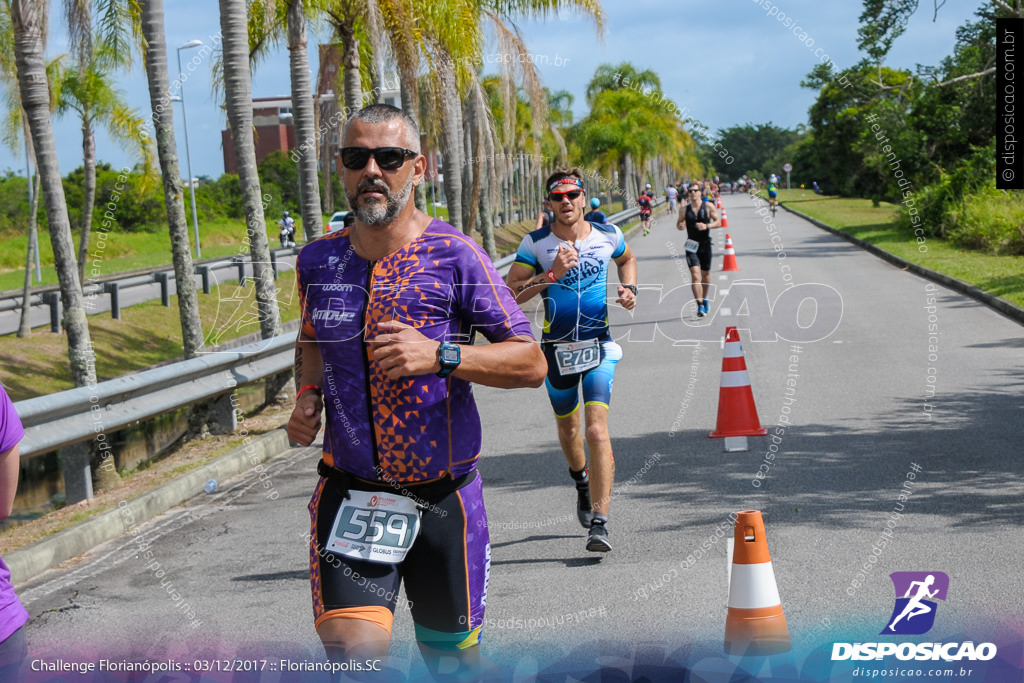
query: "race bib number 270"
576, 357
379, 527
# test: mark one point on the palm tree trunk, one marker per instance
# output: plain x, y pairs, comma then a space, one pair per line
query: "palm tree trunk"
451, 140
24, 323
89, 188
411, 106
305, 126
509, 190
624, 181
28, 18
468, 174
350, 62
327, 157
486, 217
163, 122
238, 93
474, 148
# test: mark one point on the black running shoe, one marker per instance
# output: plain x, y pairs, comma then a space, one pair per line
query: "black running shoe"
584, 511
597, 539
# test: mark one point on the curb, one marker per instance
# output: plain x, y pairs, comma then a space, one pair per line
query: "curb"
1010, 310
29, 562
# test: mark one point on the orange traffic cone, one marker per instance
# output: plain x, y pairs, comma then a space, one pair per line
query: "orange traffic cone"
737, 414
729, 262
725, 219
756, 624
718, 202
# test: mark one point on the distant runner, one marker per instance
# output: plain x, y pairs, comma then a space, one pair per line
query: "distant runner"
698, 217
595, 216
646, 204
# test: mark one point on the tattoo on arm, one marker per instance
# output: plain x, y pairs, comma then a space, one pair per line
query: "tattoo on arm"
298, 367
529, 283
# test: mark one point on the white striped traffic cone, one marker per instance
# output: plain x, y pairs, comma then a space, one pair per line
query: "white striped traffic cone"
756, 624
737, 412
729, 262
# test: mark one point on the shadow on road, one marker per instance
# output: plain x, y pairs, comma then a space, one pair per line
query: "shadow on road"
831, 476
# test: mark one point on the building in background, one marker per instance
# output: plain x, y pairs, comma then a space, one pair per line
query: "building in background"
273, 129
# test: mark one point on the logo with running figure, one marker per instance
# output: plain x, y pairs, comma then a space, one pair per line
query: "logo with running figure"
914, 612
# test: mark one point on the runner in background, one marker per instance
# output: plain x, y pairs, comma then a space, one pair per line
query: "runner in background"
568, 264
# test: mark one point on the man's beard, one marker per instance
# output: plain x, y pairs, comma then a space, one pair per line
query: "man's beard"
378, 212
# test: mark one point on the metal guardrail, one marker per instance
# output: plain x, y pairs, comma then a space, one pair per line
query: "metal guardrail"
49, 295
70, 417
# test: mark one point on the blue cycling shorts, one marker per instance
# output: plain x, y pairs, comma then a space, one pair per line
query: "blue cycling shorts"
563, 390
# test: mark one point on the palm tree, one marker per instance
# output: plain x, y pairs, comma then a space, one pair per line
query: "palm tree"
346, 17
152, 29
626, 127
28, 18
15, 135
238, 98
303, 117
88, 90
267, 25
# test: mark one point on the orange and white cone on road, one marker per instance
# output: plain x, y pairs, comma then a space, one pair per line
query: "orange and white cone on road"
725, 219
718, 202
756, 624
729, 262
737, 413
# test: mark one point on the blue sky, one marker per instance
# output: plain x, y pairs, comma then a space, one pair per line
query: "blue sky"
726, 63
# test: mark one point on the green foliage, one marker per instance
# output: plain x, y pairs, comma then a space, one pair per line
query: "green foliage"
220, 199
757, 148
128, 198
281, 175
991, 220
14, 204
965, 207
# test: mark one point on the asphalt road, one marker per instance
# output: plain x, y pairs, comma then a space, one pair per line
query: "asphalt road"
858, 421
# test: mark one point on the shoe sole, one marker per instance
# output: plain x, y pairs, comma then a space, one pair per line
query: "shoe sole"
598, 546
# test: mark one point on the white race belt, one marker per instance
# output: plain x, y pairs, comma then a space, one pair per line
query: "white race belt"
375, 526
579, 356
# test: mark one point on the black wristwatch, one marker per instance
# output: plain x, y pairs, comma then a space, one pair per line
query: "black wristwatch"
631, 288
449, 356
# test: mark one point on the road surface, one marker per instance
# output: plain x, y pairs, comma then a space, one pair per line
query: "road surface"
878, 407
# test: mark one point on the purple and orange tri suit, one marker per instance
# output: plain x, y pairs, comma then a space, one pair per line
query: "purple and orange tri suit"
418, 434
12, 614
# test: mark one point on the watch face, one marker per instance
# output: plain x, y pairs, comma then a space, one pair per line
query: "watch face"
449, 354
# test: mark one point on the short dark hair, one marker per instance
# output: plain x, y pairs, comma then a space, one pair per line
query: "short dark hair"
382, 113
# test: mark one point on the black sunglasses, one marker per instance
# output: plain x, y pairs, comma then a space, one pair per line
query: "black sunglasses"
571, 194
694, 190
388, 158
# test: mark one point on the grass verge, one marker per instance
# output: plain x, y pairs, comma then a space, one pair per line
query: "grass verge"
1002, 276
146, 335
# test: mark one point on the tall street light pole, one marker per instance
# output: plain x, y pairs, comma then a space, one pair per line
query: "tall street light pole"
188, 156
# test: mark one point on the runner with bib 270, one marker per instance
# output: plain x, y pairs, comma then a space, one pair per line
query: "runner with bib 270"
568, 262
389, 308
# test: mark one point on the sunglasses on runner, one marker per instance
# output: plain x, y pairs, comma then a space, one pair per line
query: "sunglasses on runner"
697, 191
387, 158
570, 194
